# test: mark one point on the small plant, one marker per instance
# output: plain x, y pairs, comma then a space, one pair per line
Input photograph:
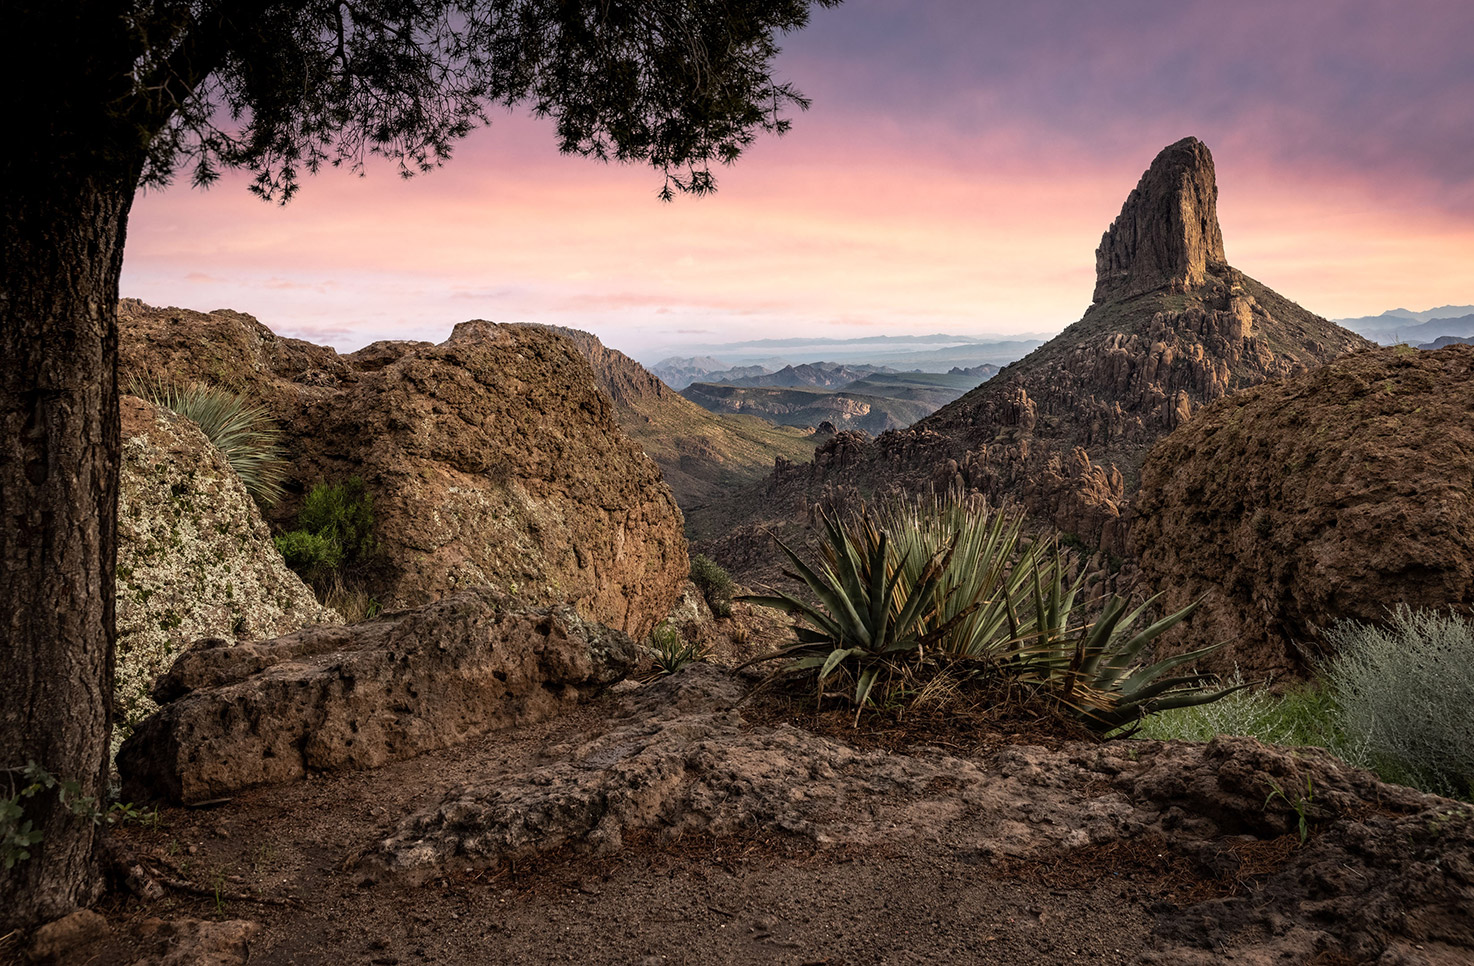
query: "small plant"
334, 534
18, 833
246, 434
1300, 804
1091, 668
1406, 697
714, 583
1305, 715
669, 651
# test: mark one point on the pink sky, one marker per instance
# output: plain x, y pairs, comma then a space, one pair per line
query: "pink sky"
954, 175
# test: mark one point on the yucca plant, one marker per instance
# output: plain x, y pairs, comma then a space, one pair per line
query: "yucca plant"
246, 434
1092, 668
873, 612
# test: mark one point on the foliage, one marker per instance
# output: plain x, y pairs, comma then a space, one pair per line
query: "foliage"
714, 583
670, 652
18, 833
1300, 804
1092, 667
872, 612
246, 434
1406, 697
343, 513
334, 534
315, 557
989, 566
956, 593
282, 88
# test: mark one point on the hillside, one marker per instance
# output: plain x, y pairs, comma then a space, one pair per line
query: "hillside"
702, 455
1064, 430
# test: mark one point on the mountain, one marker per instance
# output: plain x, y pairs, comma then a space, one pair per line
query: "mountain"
1413, 328
873, 403
678, 372
818, 375
1063, 431
702, 455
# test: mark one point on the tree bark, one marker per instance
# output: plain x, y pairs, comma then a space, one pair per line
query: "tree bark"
62, 232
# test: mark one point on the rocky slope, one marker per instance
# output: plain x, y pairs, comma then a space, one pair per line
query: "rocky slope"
702, 455
195, 559
1172, 328
1336, 494
492, 458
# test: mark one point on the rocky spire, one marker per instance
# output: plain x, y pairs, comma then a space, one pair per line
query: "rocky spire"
1167, 234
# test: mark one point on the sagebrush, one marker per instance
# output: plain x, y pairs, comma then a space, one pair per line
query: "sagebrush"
1405, 690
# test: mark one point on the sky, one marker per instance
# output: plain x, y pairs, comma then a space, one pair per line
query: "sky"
955, 173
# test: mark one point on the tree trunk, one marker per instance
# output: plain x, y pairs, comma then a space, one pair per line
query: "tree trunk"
62, 232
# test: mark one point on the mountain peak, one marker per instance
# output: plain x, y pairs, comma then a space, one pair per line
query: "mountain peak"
1167, 234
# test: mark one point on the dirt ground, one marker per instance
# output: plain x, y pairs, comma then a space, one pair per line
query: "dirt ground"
284, 857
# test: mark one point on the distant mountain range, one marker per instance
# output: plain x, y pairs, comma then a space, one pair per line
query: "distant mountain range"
928, 353
1421, 329
871, 402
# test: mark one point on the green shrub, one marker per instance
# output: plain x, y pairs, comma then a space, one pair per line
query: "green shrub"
315, 557
1305, 716
989, 566
246, 434
714, 583
334, 535
954, 593
1406, 698
341, 512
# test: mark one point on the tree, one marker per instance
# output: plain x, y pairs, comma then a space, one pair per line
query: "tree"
118, 94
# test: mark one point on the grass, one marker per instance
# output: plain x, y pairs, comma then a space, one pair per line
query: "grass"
1304, 716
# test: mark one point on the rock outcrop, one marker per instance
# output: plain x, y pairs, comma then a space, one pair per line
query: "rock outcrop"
492, 458
1172, 328
332, 698
1337, 494
195, 559
1381, 868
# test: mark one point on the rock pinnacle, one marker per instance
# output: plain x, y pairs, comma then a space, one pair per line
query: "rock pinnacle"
1167, 234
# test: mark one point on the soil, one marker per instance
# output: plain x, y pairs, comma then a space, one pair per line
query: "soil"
287, 857
691, 899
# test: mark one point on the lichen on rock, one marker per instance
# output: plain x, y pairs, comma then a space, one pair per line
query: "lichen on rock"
195, 559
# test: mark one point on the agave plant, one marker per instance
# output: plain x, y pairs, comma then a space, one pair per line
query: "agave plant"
989, 567
1093, 668
245, 434
873, 611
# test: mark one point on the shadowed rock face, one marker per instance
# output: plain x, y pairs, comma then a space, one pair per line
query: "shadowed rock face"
1333, 495
1167, 234
1063, 431
356, 697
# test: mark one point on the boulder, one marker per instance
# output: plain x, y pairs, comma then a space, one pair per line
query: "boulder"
195, 558
1335, 495
492, 458
359, 696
